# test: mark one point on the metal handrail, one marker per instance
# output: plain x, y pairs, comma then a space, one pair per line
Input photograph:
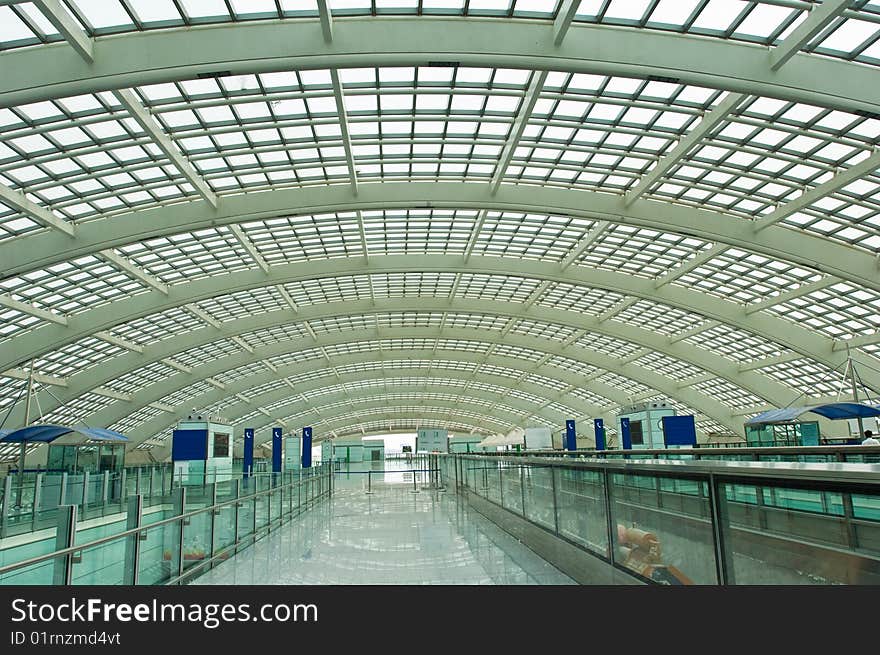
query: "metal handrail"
134, 531
837, 472
751, 450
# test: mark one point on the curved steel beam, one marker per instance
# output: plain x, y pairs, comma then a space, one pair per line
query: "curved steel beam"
154, 56
812, 345
42, 249
242, 386
664, 385
117, 367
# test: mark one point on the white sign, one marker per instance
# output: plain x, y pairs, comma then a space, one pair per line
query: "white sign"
292, 454
538, 439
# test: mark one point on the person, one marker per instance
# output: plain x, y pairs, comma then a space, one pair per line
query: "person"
870, 440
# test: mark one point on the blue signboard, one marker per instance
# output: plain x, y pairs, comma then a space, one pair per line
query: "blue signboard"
570, 435
188, 445
599, 431
679, 431
625, 438
247, 464
307, 448
276, 450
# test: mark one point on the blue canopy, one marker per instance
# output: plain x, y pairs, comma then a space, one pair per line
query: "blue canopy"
48, 433
833, 411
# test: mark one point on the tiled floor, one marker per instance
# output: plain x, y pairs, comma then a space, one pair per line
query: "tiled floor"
392, 536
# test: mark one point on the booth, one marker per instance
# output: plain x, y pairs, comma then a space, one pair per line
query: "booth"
641, 426
348, 450
432, 440
201, 450
788, 427
374, 450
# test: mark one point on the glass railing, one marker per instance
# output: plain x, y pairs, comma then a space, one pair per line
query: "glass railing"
721, 452
678, 522
193, 529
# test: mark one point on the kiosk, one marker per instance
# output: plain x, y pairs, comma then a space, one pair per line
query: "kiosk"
201, 450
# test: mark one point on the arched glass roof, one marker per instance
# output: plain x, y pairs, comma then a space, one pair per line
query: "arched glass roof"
482, 214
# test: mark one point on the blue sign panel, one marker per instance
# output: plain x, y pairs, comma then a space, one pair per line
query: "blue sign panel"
276, 450
247, 464
625, 438
570, 435
679, 431
189, 445
599, 431
307, 448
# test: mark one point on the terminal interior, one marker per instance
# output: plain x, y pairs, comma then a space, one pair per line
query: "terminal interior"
439, 292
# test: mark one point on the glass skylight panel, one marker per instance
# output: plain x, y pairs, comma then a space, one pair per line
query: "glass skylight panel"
736, 344
668, 366
658, 318
76, 357
548, 331
495, 287
810, 378
841, 311
475, 322
607, 345
172, 322
74, 411
141, 378
242, 304
207, 353
627, 385
417, 231
527, 235
573, 366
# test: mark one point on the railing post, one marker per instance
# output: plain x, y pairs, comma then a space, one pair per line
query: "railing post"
65, 536
610, 523
62, 493
133, 519
213, 514
178, 505
522, 487
369, 482
555, 500
137, 482
105, 488
86, 481
162, 493
717, 505
235, 506
7, 501
123, 489
38, 497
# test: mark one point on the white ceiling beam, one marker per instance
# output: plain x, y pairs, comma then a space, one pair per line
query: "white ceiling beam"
143, 117
633, 356
710, 120
30, 310
697, 379
310, 331
363, 233
693, 263
198, 312
564, 17
756, 364
162, 407
134, 270
177, 365
802, 290
531, 96
68, 27
243, 344
248, 245
216, 383
110, 393
595, 233
243, 398
702, 327
119, 341
18, 201
475, 233
855, 342
343, 125
23, 374
617, 308
850, 175
287, 297
819, 18
326, 20
270, 365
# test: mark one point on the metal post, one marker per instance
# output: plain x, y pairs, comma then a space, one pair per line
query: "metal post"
610, 523
522, 488
133, 519
718, 507
105, 487
369, 482
123, 490
22, 449
38, 496
137, 483
62, 493
178, 502
555, 500
4, 510
85, 493
235, 507
65, 535
414, 489
214, 513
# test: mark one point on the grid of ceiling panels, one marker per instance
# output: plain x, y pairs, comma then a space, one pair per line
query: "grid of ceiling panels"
813, 379
853, 36
599, 132
84, 156
659, 318
841, 311
746, 277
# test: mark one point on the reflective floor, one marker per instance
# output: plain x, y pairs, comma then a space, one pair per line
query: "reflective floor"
389, 536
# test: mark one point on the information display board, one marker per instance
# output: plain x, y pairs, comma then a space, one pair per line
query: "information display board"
292, 455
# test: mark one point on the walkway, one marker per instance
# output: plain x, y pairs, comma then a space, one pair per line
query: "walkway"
392, 536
